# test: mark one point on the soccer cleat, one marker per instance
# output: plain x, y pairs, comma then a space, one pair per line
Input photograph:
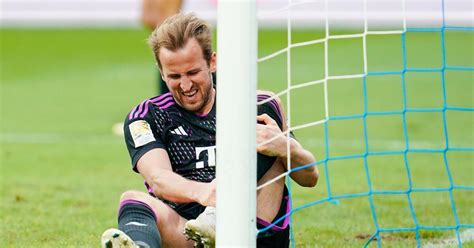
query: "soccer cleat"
114, 238
203, 228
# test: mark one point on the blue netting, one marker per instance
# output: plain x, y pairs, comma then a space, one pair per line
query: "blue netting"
333, 198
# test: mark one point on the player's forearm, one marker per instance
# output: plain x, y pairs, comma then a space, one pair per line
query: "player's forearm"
308, 176
299, 155
173, 187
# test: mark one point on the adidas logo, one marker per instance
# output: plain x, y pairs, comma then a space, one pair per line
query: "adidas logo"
179, 131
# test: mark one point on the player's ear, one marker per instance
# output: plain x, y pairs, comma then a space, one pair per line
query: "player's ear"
213, 64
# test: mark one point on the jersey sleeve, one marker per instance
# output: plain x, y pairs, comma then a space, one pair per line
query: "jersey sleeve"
140, 133
272, 109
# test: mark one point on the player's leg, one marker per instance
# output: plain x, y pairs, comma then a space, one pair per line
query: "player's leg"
146, 219
271, 206
170, 223
269, 198
136, 227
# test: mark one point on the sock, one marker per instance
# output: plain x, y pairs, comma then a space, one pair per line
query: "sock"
138, 221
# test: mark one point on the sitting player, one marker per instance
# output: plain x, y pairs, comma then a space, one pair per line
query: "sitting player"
171, 141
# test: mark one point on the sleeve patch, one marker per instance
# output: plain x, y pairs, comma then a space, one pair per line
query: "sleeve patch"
141, 133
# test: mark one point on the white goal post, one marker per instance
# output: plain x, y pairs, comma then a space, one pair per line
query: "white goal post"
236, 123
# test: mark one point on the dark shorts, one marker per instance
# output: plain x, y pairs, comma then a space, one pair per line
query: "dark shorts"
278, 235
189, 211
274, 239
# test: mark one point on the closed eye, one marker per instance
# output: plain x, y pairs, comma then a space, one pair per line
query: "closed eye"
193, 72
174, 76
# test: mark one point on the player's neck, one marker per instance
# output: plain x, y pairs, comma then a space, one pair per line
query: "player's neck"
208, 107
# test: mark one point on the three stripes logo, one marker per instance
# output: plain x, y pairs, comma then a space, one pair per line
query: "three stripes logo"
179, 131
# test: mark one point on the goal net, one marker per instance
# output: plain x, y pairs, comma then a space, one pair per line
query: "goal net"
382, 93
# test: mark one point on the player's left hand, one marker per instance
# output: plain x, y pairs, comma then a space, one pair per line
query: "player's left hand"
267, 128
208, 196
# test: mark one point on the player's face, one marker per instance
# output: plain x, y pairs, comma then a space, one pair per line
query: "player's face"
188, 77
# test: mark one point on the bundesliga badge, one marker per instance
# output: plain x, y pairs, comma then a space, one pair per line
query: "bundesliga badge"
141, 133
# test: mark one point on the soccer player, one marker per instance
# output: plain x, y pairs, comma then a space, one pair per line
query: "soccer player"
171, 141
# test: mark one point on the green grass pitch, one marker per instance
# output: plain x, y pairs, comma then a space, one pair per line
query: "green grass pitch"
62, 169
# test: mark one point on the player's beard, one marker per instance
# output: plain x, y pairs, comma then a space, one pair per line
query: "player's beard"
206, 99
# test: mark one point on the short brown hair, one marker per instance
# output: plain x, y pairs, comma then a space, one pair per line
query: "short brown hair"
175, 32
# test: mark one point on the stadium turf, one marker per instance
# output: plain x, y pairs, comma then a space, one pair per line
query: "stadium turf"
62, 169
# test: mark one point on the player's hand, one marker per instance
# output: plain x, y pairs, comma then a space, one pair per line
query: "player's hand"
267, 129
208, 195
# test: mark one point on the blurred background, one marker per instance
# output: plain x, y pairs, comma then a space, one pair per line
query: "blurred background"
126, 13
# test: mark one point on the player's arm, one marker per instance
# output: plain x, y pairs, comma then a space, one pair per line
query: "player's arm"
308, 176
155, 167
269, 129
150, 159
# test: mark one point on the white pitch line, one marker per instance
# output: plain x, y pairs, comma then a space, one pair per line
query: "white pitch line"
466, 236
57, 138
31, 138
